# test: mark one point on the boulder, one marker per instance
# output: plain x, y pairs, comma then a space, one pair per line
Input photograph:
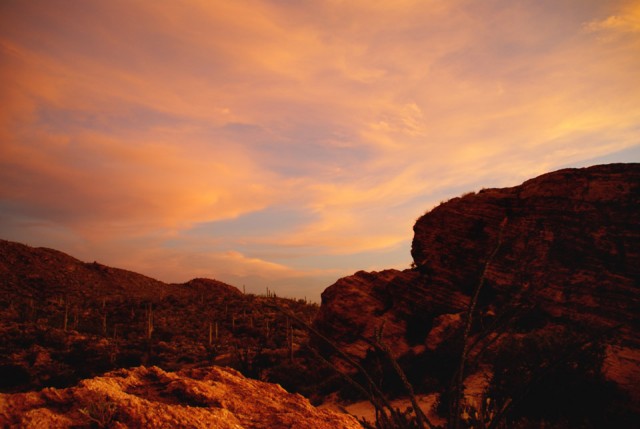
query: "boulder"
152, 398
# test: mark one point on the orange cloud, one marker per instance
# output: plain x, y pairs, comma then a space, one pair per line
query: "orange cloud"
130, 123
626, 20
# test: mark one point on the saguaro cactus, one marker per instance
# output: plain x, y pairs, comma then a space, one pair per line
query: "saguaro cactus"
76, 317
289, 337
66, 314
149, 321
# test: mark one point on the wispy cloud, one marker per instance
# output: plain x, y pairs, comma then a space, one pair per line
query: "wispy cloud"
624, 20
262, 139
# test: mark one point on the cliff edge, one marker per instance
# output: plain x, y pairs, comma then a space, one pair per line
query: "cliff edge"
553, 262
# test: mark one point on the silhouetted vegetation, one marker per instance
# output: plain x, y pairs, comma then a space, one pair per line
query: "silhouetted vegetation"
58, 341
540, 370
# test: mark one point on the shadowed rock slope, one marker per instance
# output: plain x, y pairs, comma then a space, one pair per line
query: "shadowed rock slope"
41, 273
571, 239
558, 256
209, 397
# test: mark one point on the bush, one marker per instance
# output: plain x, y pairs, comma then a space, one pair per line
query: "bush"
13, 376
101, 412
555, 376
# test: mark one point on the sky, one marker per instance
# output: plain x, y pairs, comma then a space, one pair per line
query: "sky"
286, 144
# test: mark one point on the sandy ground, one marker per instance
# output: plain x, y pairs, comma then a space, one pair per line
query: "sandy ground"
364, 409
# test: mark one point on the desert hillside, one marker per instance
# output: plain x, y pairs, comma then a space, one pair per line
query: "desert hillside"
64, 320
519, 311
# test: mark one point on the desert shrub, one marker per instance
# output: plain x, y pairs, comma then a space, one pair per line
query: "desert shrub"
161, 333
63, 376
532, 319
555, 376
309, 376
127, 359
294, 378
13, 376
87, 358
101, 412
418, 327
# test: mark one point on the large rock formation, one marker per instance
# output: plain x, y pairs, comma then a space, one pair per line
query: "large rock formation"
209, 397
571, 239
562, 249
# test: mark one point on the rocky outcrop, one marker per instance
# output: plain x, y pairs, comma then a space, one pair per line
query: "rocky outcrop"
571, 239
563, 248
398, 302
210, 397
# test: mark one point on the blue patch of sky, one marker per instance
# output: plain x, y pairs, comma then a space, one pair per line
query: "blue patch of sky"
23, 227
298, 149
242, 129
131, 117
397, 257
35, 210
629, 155
426, 201
320, 258
305, 158
270, 221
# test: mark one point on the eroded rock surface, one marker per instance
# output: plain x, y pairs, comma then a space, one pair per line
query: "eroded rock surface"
561, 248
570, 239
210, 397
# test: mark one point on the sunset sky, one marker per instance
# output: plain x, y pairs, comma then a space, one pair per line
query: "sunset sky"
285, 144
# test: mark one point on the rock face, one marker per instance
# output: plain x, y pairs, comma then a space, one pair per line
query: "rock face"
570, 238
566, 244
151, 398
398, 302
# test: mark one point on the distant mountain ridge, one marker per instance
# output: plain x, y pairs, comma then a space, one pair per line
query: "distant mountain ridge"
63, 320
40, 272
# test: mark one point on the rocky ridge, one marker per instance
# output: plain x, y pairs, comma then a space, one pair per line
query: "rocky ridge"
150, 397
41, 273
570, 239
558, 253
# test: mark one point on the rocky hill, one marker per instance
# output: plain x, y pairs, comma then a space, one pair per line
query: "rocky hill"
545, 274
63, 320
42, 273
208, 397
